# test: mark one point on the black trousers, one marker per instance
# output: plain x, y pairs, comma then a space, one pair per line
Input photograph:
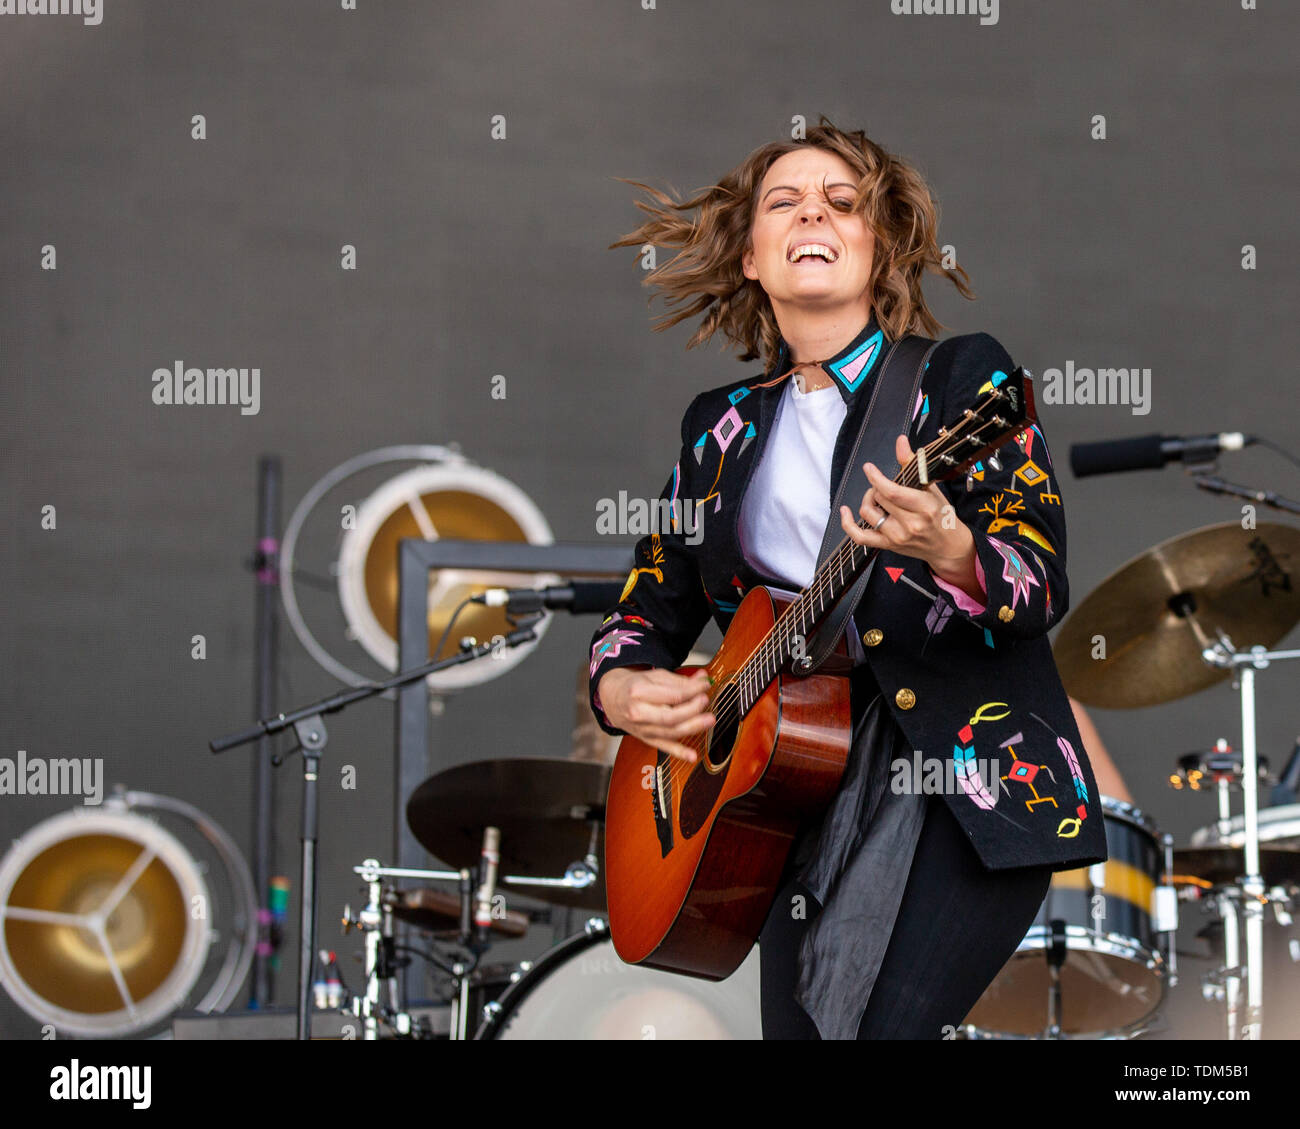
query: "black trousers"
958, 924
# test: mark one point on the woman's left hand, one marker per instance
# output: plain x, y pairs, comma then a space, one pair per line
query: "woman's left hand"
916, 523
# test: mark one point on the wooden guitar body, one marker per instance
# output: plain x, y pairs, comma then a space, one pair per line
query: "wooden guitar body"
693, 852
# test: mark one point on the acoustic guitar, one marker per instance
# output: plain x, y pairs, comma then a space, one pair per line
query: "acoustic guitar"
694, 851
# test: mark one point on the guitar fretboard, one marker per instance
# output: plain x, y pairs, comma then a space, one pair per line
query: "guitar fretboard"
981, 430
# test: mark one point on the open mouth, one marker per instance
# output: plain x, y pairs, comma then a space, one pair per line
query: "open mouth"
812, 253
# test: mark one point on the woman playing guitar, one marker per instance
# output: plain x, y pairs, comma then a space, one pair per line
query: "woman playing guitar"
899, 904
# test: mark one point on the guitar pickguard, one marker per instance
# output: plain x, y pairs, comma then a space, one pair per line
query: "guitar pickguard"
699, 794
702, 788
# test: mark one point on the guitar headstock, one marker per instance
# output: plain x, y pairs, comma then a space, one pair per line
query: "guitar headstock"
1000, 415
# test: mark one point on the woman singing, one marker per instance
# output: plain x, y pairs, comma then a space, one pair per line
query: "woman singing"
900, 902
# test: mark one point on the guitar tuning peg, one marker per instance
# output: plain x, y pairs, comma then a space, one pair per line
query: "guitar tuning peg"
970, 482
994, 462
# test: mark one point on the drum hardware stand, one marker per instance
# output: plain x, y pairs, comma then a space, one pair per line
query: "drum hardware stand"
577, 875
1223, 985
1164, 910
308, 724
1056, 952
1252, 892
382, 964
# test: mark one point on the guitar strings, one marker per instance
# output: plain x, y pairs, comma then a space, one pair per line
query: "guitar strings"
748, 676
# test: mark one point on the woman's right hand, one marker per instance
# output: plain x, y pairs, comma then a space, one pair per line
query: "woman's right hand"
659, 707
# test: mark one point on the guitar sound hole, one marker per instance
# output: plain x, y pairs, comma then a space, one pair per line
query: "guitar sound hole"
721, 740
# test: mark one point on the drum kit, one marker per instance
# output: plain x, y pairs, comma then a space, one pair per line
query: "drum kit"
1098, 960
544, 838
1101, 954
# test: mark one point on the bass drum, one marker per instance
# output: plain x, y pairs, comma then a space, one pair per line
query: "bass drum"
1113, 980
582, 990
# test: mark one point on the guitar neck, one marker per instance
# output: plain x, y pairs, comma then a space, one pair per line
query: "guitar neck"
999, 417
788, 639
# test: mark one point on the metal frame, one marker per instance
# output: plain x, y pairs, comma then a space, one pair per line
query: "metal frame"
414, 762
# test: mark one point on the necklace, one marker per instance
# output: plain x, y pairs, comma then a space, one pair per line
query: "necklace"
804, 382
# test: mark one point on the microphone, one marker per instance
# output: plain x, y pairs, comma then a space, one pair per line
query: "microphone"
488, 863
579, 597
1150, 452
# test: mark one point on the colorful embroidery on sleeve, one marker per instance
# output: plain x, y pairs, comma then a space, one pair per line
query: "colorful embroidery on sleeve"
1015, 572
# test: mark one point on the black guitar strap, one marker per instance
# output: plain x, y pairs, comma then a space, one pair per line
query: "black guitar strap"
888, 415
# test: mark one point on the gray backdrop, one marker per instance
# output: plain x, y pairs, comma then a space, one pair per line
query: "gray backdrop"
478, 256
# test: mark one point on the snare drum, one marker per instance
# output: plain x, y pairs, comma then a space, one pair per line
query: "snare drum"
1280, 825
1113, 978
582, 990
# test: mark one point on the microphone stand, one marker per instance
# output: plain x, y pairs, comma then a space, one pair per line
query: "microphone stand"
309, 727
1205, 478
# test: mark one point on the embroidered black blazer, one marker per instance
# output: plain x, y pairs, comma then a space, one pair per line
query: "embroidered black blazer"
973, 685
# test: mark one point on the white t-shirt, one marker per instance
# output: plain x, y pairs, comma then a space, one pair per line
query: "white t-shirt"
787, 504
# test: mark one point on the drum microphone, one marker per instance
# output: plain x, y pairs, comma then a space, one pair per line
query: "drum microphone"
488, 863
1150, 452
579, 597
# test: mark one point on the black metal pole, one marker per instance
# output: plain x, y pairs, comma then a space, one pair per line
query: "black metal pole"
411, 765
266, 634
307, 918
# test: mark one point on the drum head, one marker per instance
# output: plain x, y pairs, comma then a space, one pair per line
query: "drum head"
1107, 987
582, 990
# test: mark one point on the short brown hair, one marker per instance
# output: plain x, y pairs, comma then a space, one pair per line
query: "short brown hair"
705, 276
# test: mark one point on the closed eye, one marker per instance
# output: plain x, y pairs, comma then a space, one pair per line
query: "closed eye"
842, 201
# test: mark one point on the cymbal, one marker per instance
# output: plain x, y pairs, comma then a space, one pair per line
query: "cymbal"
1224, 866
1158, 612
551, 813
437, 910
